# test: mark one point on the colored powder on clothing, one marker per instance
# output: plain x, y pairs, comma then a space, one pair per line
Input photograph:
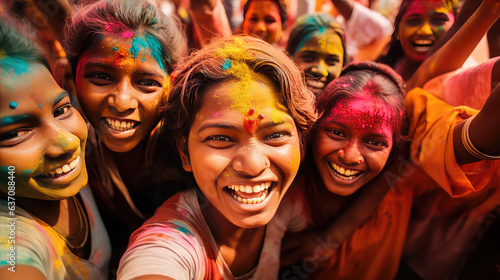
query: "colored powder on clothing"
181, 227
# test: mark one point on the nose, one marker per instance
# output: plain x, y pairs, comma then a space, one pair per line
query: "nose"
123, 98
260, 26
351, 153
250, 160
61, 142
321, 68
425, 29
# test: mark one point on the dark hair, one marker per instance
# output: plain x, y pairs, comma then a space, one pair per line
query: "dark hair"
92, 21
281, 6
366, 78
307, 24
18, 41
219, 62
394, 50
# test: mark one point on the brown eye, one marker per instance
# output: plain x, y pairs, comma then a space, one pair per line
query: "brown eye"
61, 110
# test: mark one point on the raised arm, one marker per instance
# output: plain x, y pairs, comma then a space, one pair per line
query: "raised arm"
481, 132
455, 51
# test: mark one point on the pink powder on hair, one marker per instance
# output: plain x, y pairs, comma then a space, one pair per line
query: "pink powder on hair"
127, 34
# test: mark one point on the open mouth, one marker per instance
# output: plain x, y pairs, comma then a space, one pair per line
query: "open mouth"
250, 194
343, 173
121, 125
422, 45
315, 84
63, 170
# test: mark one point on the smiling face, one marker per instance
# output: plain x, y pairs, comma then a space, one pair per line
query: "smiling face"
263, 20
321, 56
243, 150
120, 85
42, 135
422, 25
352, 144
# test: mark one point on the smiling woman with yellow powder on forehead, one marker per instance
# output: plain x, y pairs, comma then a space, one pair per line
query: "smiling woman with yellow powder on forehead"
51, 228
239, 111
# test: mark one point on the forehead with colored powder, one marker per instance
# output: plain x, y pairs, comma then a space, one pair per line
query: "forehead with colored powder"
127, 49
364, 115
429, 7
12, 68
322, 41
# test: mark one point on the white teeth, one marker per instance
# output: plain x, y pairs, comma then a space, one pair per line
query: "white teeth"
66, 168
347, 174
250, 189
120, 125
254, 200
63, 169
74, 163
315, 84
341, 170
423, 42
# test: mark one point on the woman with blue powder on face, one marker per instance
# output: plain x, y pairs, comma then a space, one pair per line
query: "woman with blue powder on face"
56, 231
122, 54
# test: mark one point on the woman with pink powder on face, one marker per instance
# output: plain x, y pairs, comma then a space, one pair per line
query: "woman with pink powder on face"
373, 246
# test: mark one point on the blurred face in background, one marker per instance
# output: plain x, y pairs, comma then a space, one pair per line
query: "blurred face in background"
263, 20
421, 26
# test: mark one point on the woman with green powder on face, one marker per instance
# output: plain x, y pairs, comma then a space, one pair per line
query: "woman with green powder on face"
51, 228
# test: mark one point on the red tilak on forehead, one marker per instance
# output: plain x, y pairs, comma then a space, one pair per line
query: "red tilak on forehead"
250, 122
362, 116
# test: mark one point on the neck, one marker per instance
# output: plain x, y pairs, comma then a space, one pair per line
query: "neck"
132, 167
329, 204
46, 210
406, 68
240, 247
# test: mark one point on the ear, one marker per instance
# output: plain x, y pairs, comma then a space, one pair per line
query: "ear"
183, 152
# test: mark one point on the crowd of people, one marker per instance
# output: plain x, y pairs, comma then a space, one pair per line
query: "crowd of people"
249, 139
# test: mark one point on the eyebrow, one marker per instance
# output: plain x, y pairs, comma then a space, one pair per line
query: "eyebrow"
230, 126
60, 97
99, 64
111, 68
12, 119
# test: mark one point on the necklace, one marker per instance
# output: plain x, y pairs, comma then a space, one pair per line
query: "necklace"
84, 227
